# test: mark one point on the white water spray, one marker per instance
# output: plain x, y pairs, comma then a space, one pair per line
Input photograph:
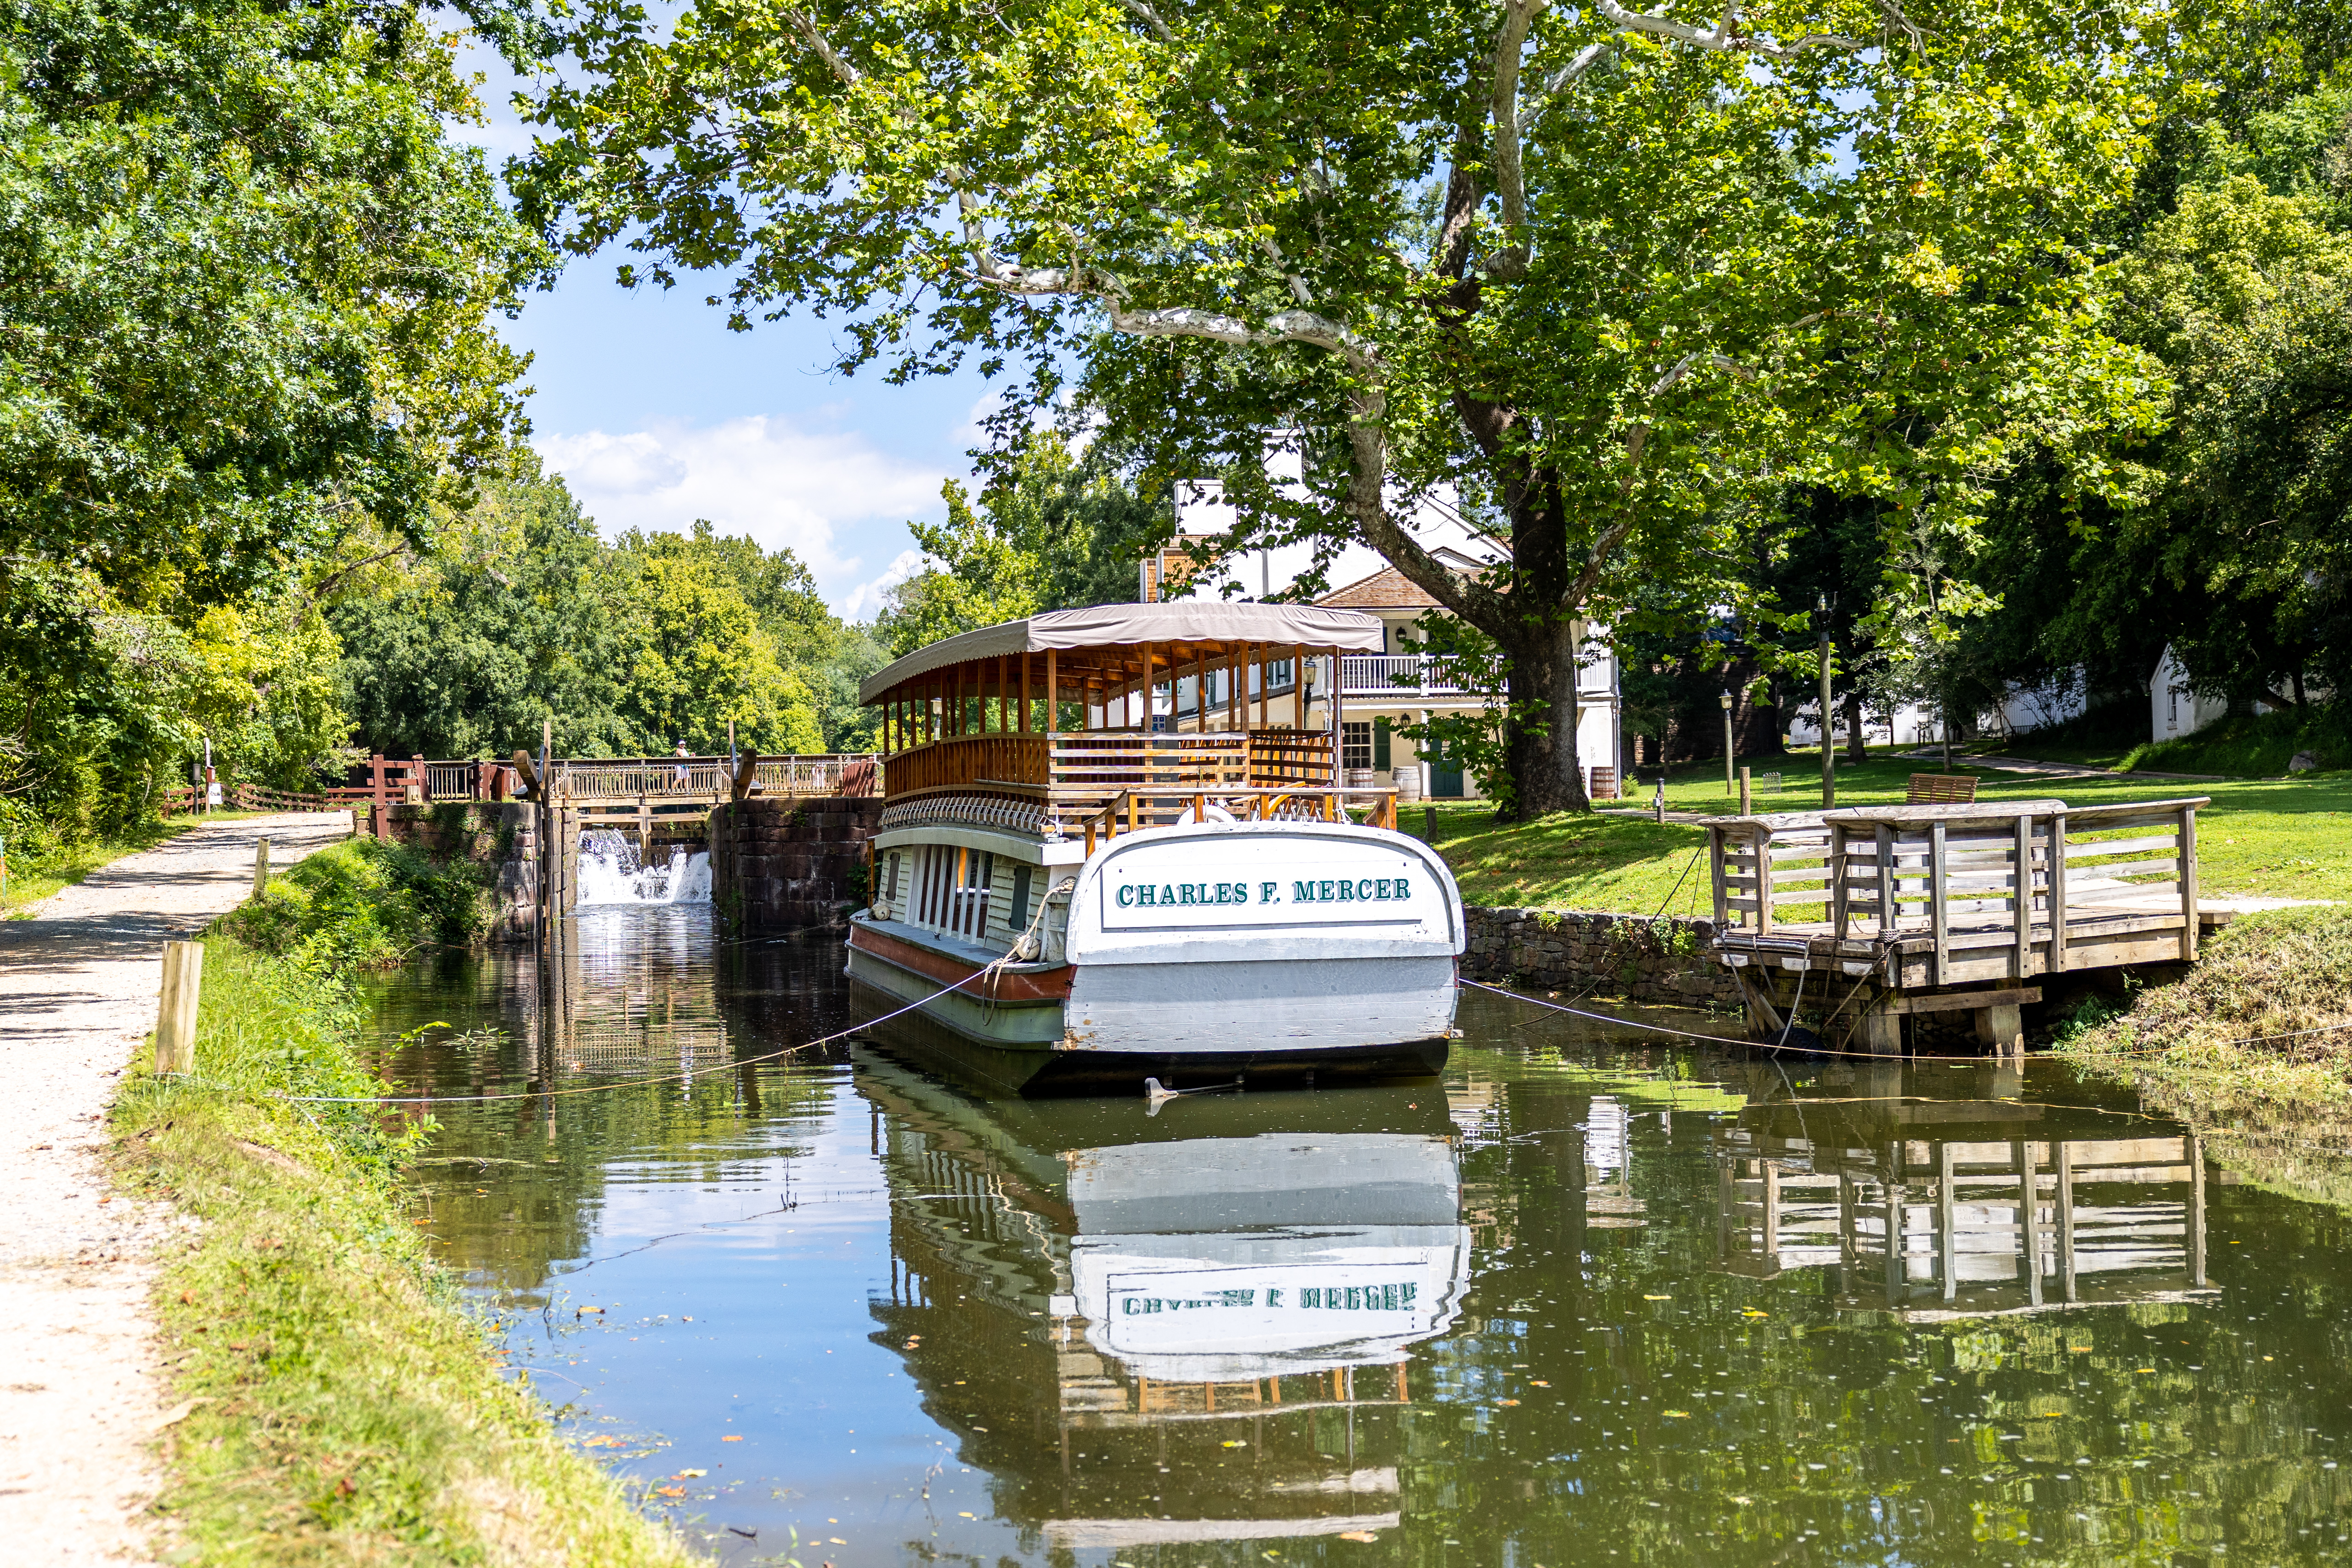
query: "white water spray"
610, 873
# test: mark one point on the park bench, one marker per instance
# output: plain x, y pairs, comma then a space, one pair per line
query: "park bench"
1941, 789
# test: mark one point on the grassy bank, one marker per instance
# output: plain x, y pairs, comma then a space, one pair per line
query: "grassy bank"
2274, 837
340, 1405
2252, 1047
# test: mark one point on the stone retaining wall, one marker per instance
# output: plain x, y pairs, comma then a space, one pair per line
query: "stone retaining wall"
791, 862
1629, 956
497, 836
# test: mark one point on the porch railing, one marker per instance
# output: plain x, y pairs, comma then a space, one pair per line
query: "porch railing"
1092, 765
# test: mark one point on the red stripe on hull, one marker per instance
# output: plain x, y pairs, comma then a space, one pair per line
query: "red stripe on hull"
1052, 985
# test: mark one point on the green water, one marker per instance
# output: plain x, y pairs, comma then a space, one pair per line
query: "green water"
1587, 1299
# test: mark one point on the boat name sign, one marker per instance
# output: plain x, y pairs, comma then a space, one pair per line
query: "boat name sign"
1160, 892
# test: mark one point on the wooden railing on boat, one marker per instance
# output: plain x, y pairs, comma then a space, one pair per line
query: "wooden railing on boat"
1965, 892
1133, 810
1090, 766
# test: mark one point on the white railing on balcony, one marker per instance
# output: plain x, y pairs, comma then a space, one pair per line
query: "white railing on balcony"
1391, 674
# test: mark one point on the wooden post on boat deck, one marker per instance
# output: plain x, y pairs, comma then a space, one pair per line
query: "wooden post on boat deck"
1716, 851
175, 1019
2188, 884
2022, 954
1836, 865
1763, 840
1885, 881
1940, 917
1054, 697
2057, 960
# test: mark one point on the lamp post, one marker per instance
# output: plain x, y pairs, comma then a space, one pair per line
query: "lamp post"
1828, 753
1729, 785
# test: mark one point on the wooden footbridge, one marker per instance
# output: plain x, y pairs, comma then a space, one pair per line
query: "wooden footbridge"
1882, 912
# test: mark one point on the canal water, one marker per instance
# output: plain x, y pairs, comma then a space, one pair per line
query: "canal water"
1596, 1296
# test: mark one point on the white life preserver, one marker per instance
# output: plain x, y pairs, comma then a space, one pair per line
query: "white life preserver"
1216, 813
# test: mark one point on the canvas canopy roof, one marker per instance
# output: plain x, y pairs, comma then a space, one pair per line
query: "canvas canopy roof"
1173, 622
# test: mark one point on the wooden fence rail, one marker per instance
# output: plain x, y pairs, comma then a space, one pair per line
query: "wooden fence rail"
2002, 889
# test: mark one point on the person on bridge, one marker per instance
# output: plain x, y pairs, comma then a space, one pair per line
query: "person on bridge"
680, 778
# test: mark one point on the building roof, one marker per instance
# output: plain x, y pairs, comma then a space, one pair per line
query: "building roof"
1215, 621
1386, 589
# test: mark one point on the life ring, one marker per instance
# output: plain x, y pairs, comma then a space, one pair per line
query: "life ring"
1215, 814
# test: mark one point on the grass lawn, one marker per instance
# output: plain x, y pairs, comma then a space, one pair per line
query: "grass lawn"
32, 879
2281, 838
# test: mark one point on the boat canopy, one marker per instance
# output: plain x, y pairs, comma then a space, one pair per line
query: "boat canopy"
1175, 623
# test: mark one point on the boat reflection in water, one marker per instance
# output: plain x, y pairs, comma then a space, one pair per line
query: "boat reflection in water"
1193, 1326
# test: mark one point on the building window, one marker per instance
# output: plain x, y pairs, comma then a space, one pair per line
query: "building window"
1355, 744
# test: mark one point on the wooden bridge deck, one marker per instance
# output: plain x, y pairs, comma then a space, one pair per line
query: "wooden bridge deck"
1920, 903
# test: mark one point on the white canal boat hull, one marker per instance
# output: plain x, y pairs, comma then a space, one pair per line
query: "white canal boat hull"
1257, 947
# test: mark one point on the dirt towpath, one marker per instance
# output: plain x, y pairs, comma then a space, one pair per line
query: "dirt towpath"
77, 992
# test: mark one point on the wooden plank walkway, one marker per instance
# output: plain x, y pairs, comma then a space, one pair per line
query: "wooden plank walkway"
1938, 906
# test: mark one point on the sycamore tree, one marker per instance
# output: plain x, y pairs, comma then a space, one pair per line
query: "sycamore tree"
1592, 267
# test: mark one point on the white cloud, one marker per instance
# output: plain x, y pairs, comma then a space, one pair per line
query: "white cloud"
865, 599
821, 495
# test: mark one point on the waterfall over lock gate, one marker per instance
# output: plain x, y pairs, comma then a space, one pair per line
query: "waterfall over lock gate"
612, 873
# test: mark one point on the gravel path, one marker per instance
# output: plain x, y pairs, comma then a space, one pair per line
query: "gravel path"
77, 992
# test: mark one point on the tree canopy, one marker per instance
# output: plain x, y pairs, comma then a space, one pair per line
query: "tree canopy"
246, 284
1594, 267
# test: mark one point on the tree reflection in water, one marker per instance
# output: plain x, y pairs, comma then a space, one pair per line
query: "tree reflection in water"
1598, 1300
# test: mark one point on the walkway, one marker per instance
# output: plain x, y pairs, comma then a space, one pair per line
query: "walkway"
78, 988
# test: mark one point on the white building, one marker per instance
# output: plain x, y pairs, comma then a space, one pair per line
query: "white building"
1380, 693
2174, 709
2025, 707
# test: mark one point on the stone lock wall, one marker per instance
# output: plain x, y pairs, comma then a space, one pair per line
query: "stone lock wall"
1641, 960
791, 862
500, 836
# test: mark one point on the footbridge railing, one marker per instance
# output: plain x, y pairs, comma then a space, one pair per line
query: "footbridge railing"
1998, 891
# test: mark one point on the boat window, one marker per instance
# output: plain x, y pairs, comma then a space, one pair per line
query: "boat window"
890, 878
1017, 917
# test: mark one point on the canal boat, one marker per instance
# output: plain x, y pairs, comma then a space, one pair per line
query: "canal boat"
1117, 843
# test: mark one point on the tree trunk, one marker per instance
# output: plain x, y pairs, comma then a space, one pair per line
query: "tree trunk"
1539, 726
1857, 746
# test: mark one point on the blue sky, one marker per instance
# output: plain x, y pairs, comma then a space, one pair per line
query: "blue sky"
656, 415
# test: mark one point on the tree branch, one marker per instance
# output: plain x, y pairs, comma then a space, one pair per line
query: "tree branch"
1150, 18
1727, 36
1510, 182
1573, 71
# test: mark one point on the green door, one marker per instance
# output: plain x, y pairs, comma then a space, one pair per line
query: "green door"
1444, 773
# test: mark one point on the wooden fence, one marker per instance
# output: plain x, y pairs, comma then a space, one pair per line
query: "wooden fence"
1998, 891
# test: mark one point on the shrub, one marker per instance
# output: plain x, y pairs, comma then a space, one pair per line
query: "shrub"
363, 904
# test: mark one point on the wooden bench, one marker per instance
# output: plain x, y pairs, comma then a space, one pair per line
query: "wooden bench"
1941, 789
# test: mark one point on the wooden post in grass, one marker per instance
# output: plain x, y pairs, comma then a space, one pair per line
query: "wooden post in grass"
175, 1022
260, 866
1429, 823
1747, 795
